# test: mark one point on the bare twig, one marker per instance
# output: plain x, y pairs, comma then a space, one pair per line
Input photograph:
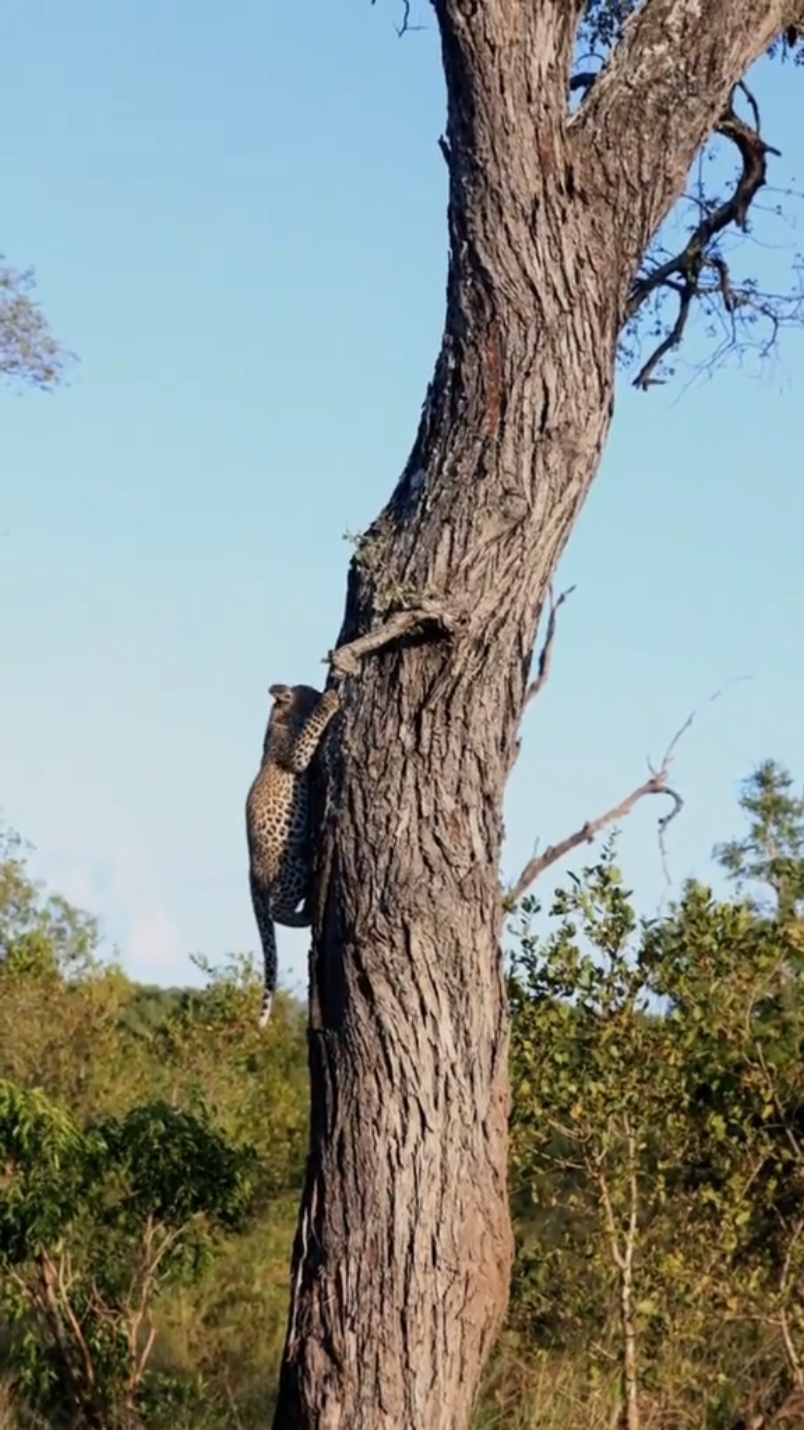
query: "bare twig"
65, 1280
405, 28
50, 1303
546, 656
657, 783
595, 1167
627, 1289
752, 104
622, 1249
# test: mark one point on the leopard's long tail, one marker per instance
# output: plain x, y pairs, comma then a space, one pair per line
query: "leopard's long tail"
265, 925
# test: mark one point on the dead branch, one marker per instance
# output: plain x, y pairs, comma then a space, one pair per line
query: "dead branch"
657, 783
430, 613
734, 209
546, 656
731, 299
681, 273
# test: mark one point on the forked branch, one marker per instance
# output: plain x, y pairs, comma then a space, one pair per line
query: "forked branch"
657, 783
698, 271
661, 91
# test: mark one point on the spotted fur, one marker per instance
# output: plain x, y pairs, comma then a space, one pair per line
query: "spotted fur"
278, 822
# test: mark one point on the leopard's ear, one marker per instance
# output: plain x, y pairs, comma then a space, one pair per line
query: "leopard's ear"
281, 693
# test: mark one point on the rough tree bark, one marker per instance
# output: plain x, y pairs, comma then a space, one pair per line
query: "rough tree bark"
403, 1252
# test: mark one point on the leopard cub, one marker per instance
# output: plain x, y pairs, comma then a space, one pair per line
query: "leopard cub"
278, 818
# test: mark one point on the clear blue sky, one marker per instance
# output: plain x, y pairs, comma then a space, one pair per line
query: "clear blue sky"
237, 221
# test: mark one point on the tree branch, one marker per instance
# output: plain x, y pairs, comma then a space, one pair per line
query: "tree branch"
684, 272
686, 293
656, 784
546, 656
406, 28
584, 80
661, 92
345, 660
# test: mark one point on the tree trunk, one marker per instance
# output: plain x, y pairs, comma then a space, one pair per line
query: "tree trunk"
403, 1252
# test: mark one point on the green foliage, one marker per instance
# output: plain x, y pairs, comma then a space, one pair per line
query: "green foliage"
39, 933
47, 1163
138, 1127
256, 1087
29, 353
51, 978
152, 1148
657, 1136
94, 1224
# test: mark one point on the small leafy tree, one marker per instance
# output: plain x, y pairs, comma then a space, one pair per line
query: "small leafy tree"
740, 1014
121, 1046
94, 1223
39, 932
656, 1145
772, 852
29, 353
594, 1077
52, 976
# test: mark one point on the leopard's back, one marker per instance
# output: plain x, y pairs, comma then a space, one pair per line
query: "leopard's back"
278, 825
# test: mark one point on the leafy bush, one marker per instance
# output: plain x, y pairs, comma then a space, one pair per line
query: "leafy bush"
94, 1224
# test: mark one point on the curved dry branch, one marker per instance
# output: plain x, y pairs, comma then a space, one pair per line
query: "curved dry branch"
684, 274
657, 783
406, 27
